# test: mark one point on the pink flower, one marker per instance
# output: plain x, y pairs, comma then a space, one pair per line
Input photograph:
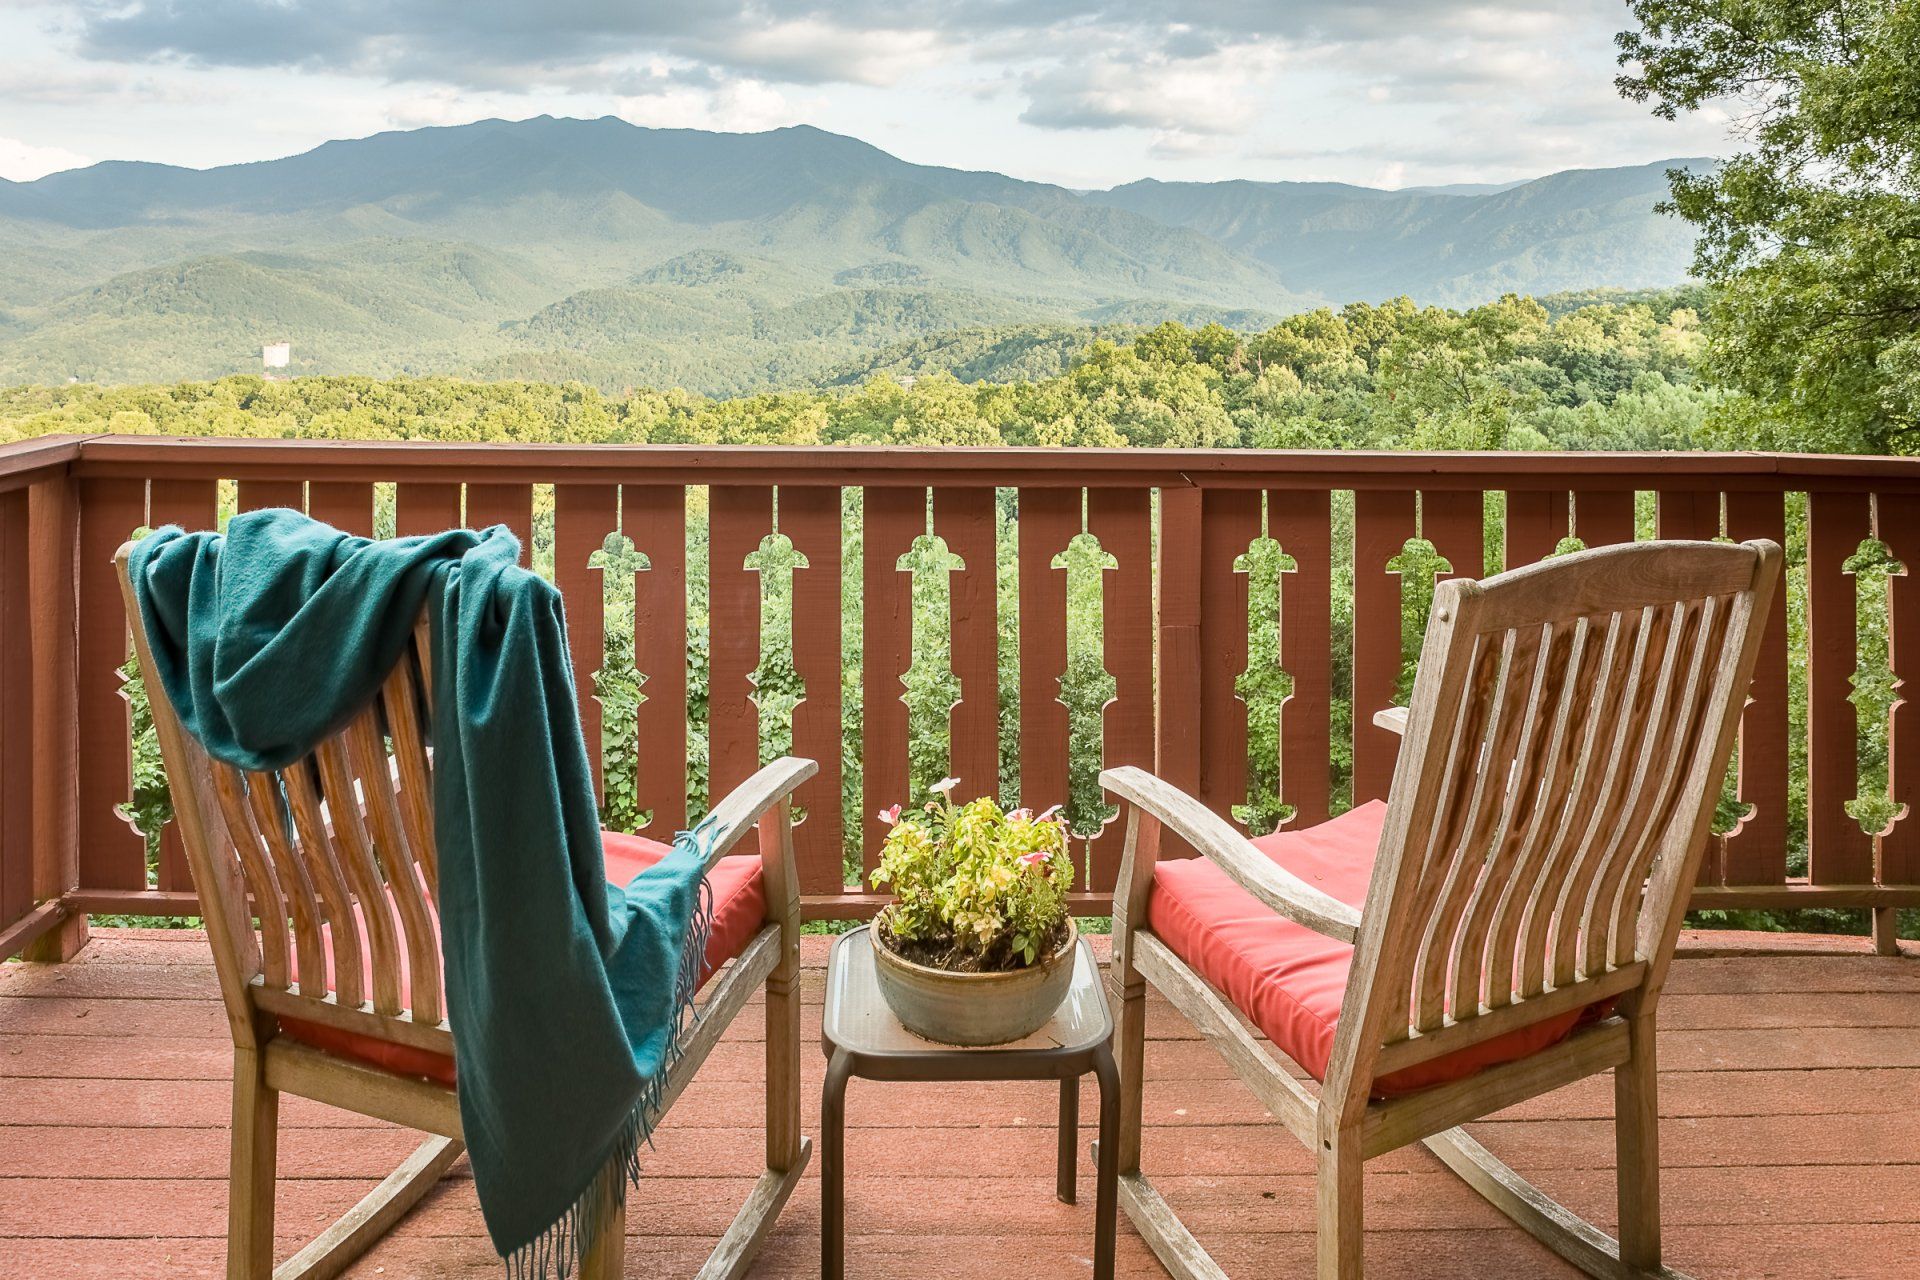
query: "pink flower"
1020, 815
945, 786
889, 816
1052, 815
1035, 859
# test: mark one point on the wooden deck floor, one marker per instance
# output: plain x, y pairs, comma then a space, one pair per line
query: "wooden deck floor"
1792, 1144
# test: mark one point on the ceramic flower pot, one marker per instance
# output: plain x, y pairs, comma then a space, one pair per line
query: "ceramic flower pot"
975, 1008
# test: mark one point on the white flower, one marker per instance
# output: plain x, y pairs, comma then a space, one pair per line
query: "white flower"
944, 787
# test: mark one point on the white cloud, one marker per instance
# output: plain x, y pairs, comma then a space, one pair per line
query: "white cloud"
738, 106
1214, 93
23, 162
43, 82
1174, 144
434, 107
812, 51
1390, 176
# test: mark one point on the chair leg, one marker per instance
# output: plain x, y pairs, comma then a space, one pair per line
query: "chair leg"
788, 1151
1152, 1217
606, 1257
783, 1065
250, 1174
1128, 993
1340, 1227
1636, 1127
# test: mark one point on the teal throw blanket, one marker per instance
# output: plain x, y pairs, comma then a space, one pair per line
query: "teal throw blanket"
566, 995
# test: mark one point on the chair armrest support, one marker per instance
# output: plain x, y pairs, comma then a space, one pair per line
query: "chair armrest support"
747, 803
1392, 719
1280, 890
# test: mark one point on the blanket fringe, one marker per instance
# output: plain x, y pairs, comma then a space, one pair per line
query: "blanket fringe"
557, 1251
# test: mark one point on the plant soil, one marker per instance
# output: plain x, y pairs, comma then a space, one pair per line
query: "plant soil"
945, 952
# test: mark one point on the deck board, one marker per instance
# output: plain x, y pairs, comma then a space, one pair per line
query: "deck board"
1791, 1097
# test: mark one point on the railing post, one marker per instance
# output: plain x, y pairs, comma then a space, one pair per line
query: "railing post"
1177, 710
53, 534
1302, 522
1839, 851
1755, 851
1897, 847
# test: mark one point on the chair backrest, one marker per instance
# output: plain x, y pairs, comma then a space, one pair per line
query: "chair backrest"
1566, 744
333, 854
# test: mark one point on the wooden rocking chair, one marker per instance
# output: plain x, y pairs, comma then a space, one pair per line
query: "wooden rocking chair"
1500, 927
336, 994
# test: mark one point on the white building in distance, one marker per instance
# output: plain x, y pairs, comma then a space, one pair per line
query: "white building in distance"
276, 355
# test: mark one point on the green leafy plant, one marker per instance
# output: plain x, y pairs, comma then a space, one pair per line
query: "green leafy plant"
975, 887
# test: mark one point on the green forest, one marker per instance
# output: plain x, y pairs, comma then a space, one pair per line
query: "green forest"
1568, 372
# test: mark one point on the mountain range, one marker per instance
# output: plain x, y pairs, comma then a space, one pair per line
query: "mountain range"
598, 250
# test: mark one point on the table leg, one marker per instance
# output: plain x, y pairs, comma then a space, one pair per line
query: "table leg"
1107, 1166
1066, 1172
833, 1145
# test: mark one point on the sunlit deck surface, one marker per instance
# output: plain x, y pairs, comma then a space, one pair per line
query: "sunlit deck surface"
1791, 1096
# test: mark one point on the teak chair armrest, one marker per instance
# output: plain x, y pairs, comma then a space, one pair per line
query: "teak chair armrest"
1392, 719
1280, 890
753, 799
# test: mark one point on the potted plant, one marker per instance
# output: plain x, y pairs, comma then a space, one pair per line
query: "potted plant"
977, 947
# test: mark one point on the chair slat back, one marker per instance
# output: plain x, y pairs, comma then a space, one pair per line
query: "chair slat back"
1569, 732
331, 855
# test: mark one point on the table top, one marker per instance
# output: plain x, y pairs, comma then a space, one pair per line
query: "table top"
857, 1020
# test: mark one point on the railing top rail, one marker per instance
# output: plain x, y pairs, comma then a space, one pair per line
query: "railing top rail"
151, 456
25, 461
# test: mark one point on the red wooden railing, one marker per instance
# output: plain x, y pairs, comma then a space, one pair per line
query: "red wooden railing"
1174, 642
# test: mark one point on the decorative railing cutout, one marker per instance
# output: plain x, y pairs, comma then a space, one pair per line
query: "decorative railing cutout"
385, 510
1420, 567
148, 810
1264, 685
1087, 688
778, 688
1875, 684
618, 685
539, 552
929, 686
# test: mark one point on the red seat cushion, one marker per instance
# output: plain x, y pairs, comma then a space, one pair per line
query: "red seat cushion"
1289, 980
739, 910
739, 899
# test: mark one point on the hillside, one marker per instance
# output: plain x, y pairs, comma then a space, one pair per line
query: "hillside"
1452, 246
617, 255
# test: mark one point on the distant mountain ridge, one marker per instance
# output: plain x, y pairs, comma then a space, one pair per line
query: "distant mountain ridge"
1583, 228
725, 262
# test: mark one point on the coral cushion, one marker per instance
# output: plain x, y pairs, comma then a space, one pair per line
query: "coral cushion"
739, 910
1289, 980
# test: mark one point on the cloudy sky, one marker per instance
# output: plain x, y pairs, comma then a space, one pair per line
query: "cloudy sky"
1084, 92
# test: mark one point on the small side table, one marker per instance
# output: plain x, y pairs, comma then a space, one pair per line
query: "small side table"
862, 1038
